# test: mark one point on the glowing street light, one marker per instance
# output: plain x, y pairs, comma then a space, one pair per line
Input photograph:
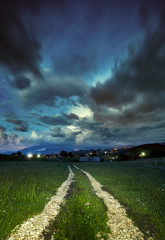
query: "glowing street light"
38, 155
30, 155
142, 154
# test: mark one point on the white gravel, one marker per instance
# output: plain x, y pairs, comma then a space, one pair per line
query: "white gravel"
33, 228
121, 226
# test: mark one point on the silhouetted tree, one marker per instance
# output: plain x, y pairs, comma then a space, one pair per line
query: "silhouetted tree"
19, 153
70, 154
63, 154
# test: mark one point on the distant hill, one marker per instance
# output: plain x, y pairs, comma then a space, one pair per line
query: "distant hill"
149, 150
151, 146
46, 149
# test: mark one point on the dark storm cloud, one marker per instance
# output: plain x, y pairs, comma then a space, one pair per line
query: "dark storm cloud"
3, 136
73, 116
7, 139
19, 49
94, 133
22, 128
78, 41
19, 45
76, 133
135, 93
88, 124
19, 124
37, 5
97, 128
75, 64
64, 119
105, 135
48, 93
148, 7
21, 83
144, 11
57, 120
57, 132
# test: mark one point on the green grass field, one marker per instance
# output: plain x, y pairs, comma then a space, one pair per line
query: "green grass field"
25, 188
140, 189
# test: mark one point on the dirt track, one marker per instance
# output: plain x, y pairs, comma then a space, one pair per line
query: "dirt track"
121, 226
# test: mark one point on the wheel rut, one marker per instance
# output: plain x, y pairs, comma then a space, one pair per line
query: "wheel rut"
34, 227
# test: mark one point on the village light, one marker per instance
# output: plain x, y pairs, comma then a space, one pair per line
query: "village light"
30, 155
142, 154
38, 155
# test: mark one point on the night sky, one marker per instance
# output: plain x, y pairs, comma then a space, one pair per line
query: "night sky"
81, 73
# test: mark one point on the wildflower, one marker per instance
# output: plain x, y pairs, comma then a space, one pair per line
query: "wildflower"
87, 204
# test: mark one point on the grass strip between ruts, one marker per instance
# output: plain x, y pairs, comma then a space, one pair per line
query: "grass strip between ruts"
84, 215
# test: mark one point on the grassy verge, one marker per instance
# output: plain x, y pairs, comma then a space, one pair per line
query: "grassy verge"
83, 216
25, 188
141, 190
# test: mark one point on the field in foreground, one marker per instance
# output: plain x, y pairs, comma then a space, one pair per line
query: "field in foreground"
27, 186
139, 189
